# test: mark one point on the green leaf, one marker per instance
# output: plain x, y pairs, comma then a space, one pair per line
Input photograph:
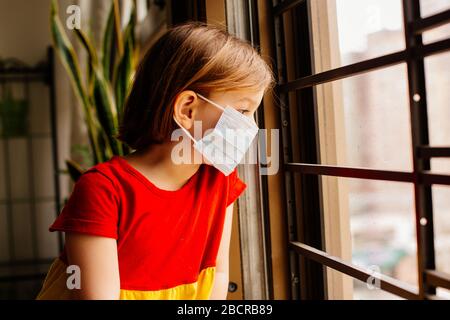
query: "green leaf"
92, 56
112, 41
70, 62
123, 77
105, 106
126, 66
108, 46
74, 169
118, 27
67, 53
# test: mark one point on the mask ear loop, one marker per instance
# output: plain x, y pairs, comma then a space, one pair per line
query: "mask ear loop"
184, 130
212, 102
220, 107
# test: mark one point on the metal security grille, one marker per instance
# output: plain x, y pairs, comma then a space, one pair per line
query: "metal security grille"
307, 276
20, 277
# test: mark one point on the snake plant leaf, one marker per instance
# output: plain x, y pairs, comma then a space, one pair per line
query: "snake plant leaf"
131, 26
112, 41
108, 45
108, 79
74, 169
104, 103
126, 65
118, 27
66, 53
92, 56
101, 99
70, 62
124, 76
104, 143
105, 114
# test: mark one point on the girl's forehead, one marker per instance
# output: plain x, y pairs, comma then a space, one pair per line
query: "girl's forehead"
251, 97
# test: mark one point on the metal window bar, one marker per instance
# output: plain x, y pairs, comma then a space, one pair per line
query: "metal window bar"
421, 177
386, 283
287, 155
365, 66
307, 277
419, 134
437, 20
433, 152
425, 177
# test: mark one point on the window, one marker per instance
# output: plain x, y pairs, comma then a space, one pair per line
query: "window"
366, 141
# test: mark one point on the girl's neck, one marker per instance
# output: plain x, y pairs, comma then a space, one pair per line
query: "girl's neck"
156, 164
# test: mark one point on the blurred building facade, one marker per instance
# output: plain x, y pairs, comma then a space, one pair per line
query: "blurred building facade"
378, 129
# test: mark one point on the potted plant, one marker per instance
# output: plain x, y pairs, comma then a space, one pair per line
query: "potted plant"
108, 77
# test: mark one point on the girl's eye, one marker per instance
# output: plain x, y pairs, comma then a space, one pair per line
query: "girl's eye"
243, 111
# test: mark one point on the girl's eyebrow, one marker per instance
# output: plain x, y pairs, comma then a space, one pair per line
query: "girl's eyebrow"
248, 99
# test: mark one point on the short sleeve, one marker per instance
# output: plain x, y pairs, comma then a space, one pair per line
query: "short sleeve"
235, 187
92, 207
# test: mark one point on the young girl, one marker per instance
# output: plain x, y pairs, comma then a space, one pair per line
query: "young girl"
144, 226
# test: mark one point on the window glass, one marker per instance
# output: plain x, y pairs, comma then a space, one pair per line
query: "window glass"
382, 230
361, 30
376, 115
431, 7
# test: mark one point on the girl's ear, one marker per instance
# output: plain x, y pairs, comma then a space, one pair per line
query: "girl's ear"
185, 108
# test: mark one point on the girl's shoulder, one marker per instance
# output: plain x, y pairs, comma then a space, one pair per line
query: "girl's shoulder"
93, 205
102, 172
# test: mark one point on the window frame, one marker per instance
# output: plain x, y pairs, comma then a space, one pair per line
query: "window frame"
242, 21
307, 260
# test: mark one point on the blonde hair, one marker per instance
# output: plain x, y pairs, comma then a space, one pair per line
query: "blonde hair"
192, 56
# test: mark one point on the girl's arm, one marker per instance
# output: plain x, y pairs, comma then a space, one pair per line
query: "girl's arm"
220, 288
97, 260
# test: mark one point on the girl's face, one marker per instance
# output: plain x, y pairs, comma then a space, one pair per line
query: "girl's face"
246, 102
190, 109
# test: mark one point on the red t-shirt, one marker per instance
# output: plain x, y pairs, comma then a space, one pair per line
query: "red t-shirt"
165, 239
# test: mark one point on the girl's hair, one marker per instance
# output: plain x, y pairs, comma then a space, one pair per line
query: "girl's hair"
192, 56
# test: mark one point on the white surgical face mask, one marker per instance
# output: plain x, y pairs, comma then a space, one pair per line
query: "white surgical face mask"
228, 142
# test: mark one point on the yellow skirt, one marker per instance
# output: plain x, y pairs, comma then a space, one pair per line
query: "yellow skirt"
55, 287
